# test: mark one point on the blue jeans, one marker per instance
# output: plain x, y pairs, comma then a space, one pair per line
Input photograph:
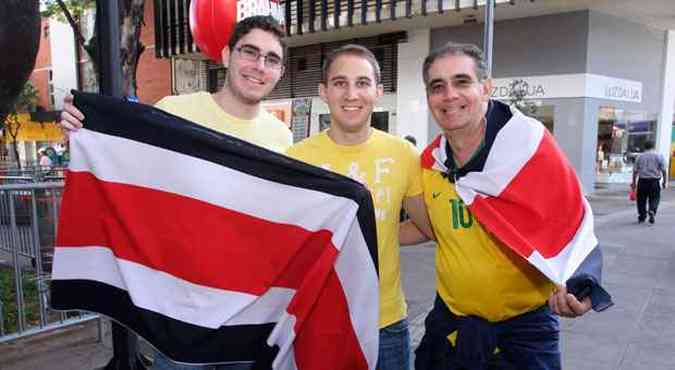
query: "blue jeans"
163, 363
394, 351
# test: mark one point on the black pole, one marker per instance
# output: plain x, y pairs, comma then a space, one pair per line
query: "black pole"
488, 34
125, 343
108, 23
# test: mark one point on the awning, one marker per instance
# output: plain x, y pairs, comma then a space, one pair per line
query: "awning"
33, 131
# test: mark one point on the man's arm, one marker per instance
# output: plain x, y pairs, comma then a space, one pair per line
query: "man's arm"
635, 174
409, 234
418, 228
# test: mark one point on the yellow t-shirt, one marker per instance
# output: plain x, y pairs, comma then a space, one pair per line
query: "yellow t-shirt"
390, 168
265, 130
475, 273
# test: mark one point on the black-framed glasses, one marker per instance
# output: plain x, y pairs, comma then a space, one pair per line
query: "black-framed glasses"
252, 54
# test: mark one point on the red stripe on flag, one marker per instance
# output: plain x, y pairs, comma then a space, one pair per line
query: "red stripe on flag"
325, 340
187, 238
541, 209
427, 158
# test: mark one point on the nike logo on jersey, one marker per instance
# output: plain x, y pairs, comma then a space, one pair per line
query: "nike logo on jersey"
435, 194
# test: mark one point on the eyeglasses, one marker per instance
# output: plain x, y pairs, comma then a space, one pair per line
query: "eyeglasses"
252, 54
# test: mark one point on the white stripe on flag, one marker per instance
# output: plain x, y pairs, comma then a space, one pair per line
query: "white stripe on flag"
168, 295
504, 161
362, 295
283, 335
561, 267
141, 163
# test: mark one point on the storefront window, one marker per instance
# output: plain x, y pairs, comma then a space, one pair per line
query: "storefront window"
622, 136
544, 114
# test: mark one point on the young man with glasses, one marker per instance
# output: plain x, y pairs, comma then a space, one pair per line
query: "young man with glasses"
254, 58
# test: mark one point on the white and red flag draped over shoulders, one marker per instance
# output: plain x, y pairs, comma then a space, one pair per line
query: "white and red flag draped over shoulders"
523, 190
213, 249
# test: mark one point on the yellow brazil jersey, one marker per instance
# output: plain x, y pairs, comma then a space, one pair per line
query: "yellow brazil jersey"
265, 130
475, 273
389, 167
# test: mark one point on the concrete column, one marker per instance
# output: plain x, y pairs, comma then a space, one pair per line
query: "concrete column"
64, 72
576, 131
665, 122
411, 104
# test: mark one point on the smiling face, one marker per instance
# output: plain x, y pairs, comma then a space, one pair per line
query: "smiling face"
456, 97
351, 91
248, 79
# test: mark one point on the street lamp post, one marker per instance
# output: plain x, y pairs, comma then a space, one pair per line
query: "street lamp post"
488, 34
110, 82
108, 24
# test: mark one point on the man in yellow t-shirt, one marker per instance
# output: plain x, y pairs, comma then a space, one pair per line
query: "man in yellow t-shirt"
201, 107
491, 309
254, 58
388, 166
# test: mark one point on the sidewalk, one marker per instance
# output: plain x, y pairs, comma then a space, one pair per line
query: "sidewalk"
639, 268
637, 333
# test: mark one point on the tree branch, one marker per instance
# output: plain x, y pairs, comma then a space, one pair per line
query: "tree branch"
73, 24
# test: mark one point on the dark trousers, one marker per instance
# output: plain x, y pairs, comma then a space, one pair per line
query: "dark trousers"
648, 191
526, 342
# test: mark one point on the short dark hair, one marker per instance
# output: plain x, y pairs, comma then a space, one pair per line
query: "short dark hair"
350, 49
649, 145
265, 23
455, 49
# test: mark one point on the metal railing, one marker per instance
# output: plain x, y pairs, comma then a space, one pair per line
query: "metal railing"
28, 222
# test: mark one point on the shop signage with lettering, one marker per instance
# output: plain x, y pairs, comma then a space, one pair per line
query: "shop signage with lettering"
580, 85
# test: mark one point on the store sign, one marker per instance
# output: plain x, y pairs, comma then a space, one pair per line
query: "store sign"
580, 85
614, 89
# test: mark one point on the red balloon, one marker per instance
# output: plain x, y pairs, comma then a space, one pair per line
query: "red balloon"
212, 23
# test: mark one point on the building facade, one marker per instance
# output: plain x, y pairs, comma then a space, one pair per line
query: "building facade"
599, 74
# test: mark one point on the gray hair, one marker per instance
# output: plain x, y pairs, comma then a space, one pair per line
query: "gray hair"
455, 49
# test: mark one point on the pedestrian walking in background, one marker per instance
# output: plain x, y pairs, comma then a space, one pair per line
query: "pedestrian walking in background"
650, 173
45, 160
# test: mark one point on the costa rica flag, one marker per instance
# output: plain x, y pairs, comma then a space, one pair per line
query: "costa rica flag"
213, 249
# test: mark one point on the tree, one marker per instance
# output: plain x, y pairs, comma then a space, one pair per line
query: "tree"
19, 41
518, 90
26, 102
131, 22
72, 11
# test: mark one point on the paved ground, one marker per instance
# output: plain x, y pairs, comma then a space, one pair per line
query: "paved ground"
637, 333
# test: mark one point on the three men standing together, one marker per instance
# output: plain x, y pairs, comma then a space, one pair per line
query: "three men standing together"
489, 296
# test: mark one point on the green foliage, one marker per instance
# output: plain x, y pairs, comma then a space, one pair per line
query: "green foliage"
517, 93
8, 300
51, 8
27, 100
